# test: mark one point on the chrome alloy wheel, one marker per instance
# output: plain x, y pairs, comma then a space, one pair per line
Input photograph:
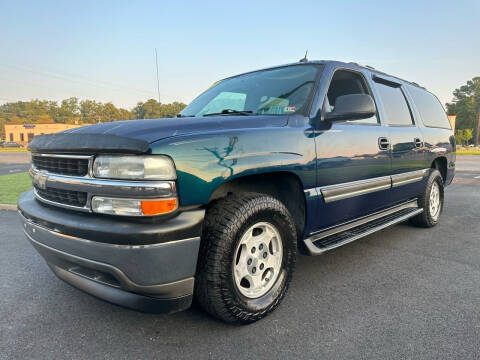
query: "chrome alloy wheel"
258, 260
435, 203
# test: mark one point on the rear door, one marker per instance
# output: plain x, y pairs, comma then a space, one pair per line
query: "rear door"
408, 159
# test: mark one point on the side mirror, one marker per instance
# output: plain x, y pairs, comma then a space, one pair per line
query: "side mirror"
352, 107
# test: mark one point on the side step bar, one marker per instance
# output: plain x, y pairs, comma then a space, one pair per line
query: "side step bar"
337, 236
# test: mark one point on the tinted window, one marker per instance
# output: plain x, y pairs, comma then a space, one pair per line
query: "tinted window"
395, 105
429, 107
285, 90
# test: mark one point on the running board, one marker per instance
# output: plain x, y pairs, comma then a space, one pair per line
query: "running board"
340, 235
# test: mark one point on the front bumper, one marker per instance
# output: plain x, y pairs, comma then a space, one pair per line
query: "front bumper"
153, 271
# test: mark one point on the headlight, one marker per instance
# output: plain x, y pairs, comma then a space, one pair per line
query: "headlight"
156, 167
133, 207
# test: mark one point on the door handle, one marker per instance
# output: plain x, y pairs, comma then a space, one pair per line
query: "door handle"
418, 142
383, 143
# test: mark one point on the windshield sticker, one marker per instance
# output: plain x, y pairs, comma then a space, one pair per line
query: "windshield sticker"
289, 109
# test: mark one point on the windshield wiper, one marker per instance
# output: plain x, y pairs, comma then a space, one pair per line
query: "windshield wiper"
182, 116
231, 112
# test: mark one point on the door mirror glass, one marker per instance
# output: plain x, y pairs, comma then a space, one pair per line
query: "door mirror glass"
352, 107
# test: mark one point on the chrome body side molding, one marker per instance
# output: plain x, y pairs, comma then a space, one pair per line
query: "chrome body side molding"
408, 177
351, 189
342, 191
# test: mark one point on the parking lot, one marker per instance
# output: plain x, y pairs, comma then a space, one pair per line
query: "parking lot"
404, 292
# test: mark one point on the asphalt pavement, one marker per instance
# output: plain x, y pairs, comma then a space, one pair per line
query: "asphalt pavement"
402, 293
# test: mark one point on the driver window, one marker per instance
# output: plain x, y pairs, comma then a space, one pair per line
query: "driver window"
346, 82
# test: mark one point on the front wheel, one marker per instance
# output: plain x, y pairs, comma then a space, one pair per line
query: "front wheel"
431, 201
246, 258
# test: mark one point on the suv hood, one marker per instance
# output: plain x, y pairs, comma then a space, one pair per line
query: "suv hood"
151, 130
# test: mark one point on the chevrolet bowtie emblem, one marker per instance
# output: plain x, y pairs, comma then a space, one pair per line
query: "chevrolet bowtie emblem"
40, 180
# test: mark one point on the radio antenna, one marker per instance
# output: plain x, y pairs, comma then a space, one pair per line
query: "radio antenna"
305, 57
158, 82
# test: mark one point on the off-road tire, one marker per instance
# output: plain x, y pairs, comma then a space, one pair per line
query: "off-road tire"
225, 222
425, 219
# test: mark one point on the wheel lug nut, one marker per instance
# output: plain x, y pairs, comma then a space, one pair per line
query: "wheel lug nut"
260, 247
261, 266
266, 279
253, 250
254, 270
264, 255
249, 262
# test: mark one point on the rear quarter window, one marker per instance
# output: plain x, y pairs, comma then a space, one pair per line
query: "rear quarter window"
430, 109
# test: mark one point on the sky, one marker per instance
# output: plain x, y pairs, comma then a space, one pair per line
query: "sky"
105, 50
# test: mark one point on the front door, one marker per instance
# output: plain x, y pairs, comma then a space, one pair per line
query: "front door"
353, 165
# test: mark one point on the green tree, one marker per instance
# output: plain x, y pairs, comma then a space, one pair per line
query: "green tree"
90, 111
45, 119
466, 106
69, 109
459, 136
15, 120
152, 109
467, 135
109, 113
139, 111
73, 111
3, 121
125, 115
171, 110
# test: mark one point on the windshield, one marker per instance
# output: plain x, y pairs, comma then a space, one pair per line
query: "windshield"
285, 90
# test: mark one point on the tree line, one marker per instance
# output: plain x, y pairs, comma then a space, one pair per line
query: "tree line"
466, 106
75, 111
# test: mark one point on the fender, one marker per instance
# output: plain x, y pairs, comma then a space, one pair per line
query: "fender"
206, 161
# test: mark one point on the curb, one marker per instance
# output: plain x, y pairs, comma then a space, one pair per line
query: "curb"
8, 207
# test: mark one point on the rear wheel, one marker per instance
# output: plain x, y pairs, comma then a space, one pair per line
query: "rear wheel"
431, 201
247, 257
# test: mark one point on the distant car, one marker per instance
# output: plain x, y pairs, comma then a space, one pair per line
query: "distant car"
11, 144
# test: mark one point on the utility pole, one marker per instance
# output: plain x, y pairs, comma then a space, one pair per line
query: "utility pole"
158, 82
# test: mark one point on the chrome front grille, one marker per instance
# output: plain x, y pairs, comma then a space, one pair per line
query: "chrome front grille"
62, 164
65, 197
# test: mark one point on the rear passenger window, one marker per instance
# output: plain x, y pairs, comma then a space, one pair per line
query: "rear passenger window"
395, 105
430, 109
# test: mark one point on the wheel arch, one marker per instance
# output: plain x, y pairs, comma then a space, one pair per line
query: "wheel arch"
284, 186
440, 163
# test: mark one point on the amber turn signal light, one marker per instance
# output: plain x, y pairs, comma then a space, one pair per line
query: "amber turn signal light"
157, 207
